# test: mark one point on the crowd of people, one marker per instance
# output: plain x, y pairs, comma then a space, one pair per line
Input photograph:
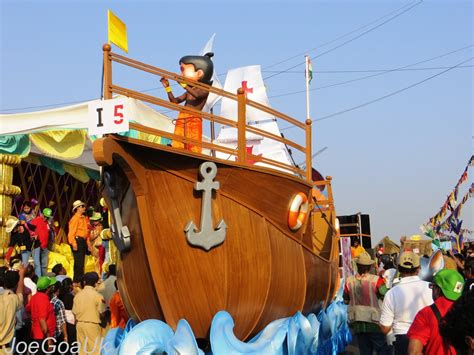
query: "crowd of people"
44, 310
391, 310
34, 232
51, 314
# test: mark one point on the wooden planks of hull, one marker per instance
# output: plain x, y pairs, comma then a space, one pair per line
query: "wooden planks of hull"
261, 272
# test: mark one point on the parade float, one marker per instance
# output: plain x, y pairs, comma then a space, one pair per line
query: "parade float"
233, 243
227, 227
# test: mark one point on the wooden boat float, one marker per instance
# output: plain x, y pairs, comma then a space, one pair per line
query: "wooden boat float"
199, 234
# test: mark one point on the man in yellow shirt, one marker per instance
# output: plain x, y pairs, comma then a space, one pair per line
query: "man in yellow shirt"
357, 249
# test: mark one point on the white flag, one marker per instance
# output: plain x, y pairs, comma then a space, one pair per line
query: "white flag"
212, 98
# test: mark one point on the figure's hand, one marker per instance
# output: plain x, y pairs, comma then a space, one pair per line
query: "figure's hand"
74, 247
165, 82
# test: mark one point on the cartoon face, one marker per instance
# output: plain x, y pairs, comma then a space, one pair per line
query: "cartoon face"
188, 71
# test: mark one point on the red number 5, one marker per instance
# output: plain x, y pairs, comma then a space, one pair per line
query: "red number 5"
118, 114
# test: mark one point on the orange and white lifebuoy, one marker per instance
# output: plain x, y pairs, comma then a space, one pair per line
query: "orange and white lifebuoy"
298, 211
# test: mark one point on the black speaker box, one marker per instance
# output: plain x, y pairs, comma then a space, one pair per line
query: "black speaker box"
350, 225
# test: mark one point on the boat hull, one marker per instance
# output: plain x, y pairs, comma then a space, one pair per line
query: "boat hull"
261, 272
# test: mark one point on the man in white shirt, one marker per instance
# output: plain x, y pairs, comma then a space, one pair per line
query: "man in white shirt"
404, 300
107, 287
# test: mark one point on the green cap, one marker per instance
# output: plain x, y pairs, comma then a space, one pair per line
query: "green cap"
96, 216
48, 213
44, 282
450, 282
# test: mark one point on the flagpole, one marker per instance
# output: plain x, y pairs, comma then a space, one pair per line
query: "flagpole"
307, 86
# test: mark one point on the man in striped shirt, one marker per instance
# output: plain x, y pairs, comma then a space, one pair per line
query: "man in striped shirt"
60, 333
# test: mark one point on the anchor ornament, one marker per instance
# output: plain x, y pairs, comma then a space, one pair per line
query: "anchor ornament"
207, 237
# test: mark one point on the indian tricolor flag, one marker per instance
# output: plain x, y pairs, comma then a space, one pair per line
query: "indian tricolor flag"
117, 31
309, 70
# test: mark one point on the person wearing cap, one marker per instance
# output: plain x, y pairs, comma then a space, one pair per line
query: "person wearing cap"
10, 304
19, 238
43, 321
424, 333
43, 230
360, 293
95, 241
77, 238
403, 301
457, 327
88, 308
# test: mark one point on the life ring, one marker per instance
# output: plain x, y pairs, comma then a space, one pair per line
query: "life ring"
298, 211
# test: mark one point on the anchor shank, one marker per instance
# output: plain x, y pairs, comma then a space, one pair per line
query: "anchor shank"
206, 211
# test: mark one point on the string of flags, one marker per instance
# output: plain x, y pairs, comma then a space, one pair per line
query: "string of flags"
437, 226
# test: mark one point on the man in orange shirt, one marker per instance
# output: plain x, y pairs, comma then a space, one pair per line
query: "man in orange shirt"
77, 238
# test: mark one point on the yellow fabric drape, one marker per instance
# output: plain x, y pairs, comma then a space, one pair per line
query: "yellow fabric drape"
78, 172
33, 159
149, 138
66, 144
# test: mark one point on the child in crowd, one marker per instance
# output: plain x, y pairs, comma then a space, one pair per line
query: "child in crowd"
27, 212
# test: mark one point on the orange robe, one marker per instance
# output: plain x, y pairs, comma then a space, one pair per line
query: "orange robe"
118, 315
190, 127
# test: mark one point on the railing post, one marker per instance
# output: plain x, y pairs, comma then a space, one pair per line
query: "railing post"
329, 186
107, 72
241, 122
308, 150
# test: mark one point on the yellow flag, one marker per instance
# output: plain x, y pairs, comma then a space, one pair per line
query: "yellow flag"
117, 31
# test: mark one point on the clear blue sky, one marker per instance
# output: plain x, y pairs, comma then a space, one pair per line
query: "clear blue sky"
395, 159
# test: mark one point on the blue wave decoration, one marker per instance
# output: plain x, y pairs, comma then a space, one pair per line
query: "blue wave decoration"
325, 333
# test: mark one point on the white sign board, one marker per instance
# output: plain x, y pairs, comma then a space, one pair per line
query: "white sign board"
109, 116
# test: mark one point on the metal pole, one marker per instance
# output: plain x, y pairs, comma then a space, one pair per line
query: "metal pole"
308, 150
359, 222
307, 85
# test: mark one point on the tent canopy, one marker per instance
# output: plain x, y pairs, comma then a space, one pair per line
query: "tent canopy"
61, 133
